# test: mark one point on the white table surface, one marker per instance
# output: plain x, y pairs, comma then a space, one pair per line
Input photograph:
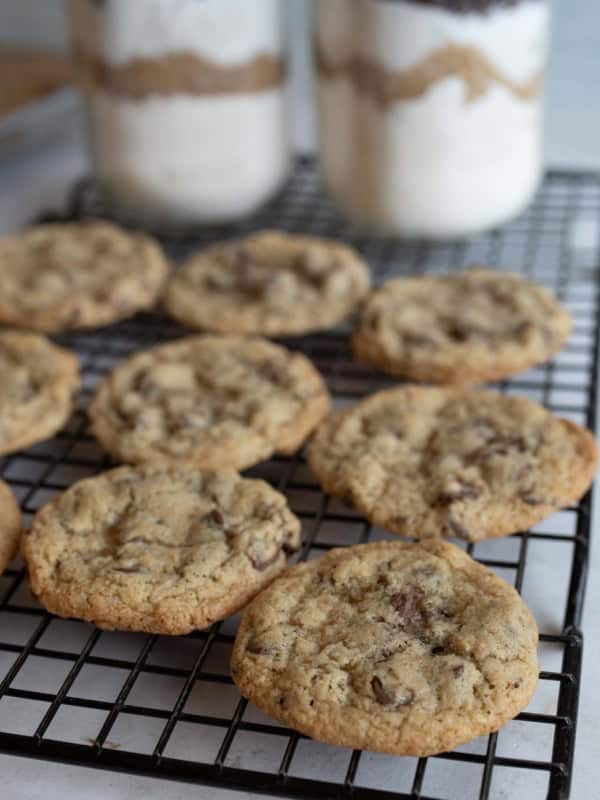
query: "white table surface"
42, 179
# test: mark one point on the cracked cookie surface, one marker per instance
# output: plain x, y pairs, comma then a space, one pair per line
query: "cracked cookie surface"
214, 401
37, 383
429, 462
270, 283
77, 275
465, 328
409, 649
10, 526
162, 550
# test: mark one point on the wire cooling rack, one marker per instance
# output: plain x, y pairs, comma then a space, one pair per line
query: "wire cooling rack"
167, 708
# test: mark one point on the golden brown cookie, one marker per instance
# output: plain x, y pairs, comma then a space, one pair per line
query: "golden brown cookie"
10, 526
37, 384
428, 462
408, 649
77, 275
270, 283
465, 328
212, 401
158, 549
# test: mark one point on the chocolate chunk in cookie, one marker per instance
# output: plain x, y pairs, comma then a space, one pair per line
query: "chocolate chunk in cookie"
471, 465
212, 401
464, 328
408, 649
270, 283
37, 384
151, 549
77, 275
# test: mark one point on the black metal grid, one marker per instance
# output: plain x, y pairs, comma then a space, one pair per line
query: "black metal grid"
167, 708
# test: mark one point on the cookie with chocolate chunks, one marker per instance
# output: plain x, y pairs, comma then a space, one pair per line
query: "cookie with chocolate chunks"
270, 283
10, 526
465, 328
408, 649
160, 550
77, 275
211, 401
429, 462
37, 384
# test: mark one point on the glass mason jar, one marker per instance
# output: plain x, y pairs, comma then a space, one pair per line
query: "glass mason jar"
431, 110
187, 105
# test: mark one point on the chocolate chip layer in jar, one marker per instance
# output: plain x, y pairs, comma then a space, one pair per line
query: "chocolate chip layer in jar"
187, 105
430, 110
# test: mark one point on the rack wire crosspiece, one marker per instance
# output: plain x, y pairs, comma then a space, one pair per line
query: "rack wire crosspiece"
150, 705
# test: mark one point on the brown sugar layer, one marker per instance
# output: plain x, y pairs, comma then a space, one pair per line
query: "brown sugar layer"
468, 63
180, 73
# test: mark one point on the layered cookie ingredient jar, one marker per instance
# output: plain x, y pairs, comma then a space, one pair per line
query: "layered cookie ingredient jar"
187, 105
431, 110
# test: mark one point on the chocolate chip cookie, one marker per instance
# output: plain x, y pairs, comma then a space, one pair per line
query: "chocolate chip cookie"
408, 649
37, 383
212, 401
270, 283
158, 549
466, 328
80, 275
428, 462
10, 526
